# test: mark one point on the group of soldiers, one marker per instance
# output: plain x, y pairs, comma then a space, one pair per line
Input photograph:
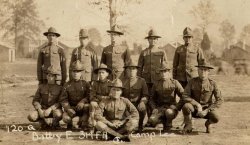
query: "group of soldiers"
118, 95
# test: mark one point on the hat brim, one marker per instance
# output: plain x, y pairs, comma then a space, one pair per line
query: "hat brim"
204, 66
53, 73
107, 69
187, 35
46, 34
77, 69
115, 32
152, 37
163, 69
83, 36
116, 87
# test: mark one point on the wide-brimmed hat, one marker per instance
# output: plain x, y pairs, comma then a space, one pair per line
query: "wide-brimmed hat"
152, 33
83, 33
117, 83
52, 70
77, 66
51, 30
165, 66
131, 64
204, 64
103, 66
115, 30
187, 32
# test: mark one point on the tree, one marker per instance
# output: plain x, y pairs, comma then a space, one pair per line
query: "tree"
204, 13
95, 36
116, 8
206, 47
245, 34
197, 36
227, 32
21, 18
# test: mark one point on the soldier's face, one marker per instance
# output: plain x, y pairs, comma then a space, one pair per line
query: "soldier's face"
76, 75
131, 71
51, 78
51, 37
102, 74
83, 41
165, 74
152, 41
187, 39
117, 39
115, 93
203, 72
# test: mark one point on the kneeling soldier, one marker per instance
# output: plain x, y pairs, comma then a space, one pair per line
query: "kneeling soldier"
163, 102
117, 115
99, 90
198, 99
48, 110
75, 99
136, 91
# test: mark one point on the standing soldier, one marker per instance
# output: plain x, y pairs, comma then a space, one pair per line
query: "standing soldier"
75, 99
185, 58
116, 55
99, 90
150, 60
163, 102
52, 54
86, 55
198, 96
48, 110
117, 115
136, 90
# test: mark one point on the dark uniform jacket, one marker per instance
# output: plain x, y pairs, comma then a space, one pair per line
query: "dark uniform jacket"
89, 60
51, 55
99, 90
135, 89
47, 96
185, 60
164, 93
75, 92
150, 60
198, 91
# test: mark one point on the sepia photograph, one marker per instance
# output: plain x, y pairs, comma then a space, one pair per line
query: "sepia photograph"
108, 72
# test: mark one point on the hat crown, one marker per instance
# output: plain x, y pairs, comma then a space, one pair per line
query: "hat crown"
52, 70
83, 33
204, 63
117, 83
52, 30
77, 65
187, 32
152, 32
102, 65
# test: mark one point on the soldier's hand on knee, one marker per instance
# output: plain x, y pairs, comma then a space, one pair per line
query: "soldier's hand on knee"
47, 112
41, 113
202, 113
198, 107
71, 113
94, 104
155, 111
79, 106
173, 107
110, 124
141, 106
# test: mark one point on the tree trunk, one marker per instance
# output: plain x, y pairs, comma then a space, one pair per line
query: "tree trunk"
112, 17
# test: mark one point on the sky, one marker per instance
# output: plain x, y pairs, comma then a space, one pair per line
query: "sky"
167, 17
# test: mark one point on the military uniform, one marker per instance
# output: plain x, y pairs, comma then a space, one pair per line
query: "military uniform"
136, 90
115, 57
164, 100
47, 97
52, 54
75, 94
185, 60
200, 92
117, 110
88, 58
149, 61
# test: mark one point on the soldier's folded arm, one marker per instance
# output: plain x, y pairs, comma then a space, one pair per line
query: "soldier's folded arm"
218, 98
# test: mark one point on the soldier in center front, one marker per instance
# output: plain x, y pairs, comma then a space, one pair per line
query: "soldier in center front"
163, 102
